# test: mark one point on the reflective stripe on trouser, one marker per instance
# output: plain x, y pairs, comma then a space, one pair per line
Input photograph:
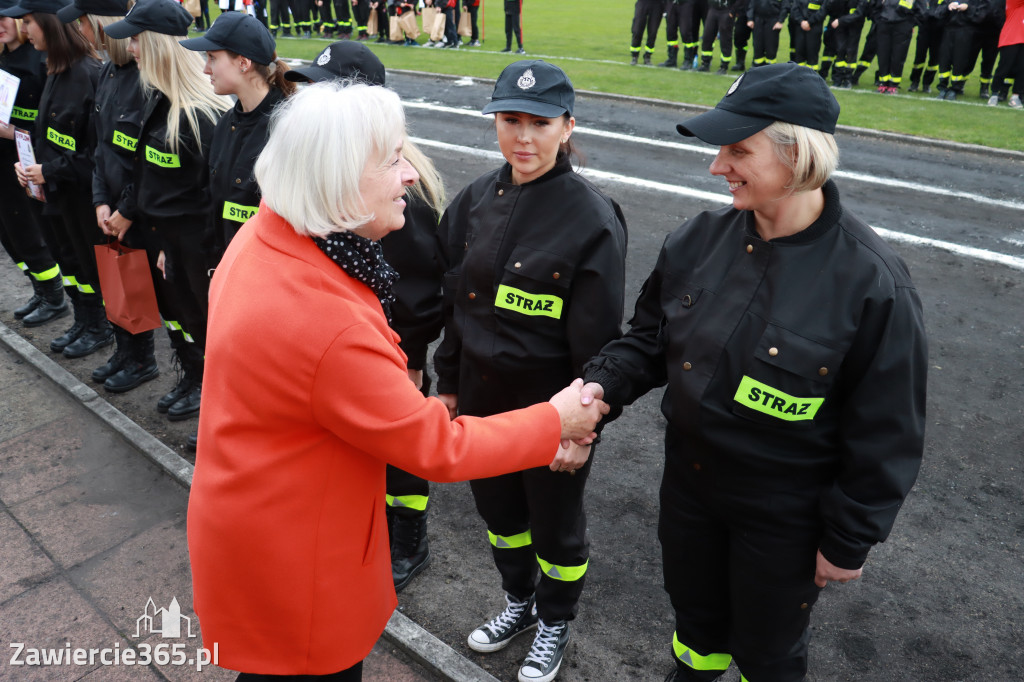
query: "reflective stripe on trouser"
22, 266
174, 326
510, 541
417, 502
689, 657
564, 573
46, 275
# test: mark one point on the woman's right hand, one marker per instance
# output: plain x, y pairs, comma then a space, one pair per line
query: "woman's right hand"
578, 420
451, 401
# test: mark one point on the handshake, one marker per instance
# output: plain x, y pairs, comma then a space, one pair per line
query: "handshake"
580, 407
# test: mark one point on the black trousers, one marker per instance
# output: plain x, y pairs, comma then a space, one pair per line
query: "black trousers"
739, 570
537, 516
280, 17
717, 23
21, 228
681, 24
1011, 66
741, 35
957, 55
926, 52
847, 42
893, 45
867, 55
342, 16
988, 45
353, 674
512, 27
474, 13
766, 41
807, 45
182, 292
301, 12
361, 14
646, 17
77, 234
405, 490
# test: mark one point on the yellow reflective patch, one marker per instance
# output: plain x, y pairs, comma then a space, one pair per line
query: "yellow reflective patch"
161, 159
237, 212
907, 4
813, 7
125, 142
775, 403
697, 662
24, 114
65, 141
520, 301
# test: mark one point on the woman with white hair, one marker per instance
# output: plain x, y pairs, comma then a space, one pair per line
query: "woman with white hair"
792, 342
308, 398
169, 202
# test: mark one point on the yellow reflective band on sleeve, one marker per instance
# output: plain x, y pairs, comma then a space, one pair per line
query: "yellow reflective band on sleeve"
65, 141
158, 158
24, 114
775, 403
813, 7
695, 660
417, 502
563, 573
524, 539
520, 301
47, 275
124, 141
238, 212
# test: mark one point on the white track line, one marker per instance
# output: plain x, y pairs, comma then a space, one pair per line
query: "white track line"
710, 151
718, 199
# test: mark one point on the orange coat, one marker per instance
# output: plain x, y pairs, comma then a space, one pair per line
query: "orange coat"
305, 398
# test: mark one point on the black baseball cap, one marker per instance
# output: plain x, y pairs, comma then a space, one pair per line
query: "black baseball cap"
776, 92
343, 59
100, 8
532, 86
33, 7
159, 16
239, 33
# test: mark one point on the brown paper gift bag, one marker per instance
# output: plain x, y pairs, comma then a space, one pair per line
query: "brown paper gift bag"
408, 23
429, 14
127, 287
372, 27
465, 25
437, 31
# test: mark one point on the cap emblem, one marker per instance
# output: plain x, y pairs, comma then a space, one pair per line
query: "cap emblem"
526, 81
324, 57
736, 84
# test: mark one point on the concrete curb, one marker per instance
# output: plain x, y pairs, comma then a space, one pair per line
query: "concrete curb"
880, 135
403, 633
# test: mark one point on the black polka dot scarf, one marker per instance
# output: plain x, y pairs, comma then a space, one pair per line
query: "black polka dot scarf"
362, 259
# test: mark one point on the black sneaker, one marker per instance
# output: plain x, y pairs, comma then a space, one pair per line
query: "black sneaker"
518, 617
545, 657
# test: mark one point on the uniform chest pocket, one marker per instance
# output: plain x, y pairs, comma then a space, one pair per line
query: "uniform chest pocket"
682, 302
787, 380
534, 284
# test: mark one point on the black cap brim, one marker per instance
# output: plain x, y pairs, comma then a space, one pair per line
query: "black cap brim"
122, 29
317, 74
722, 127
526, 106
15, 12
70, 13
202, 44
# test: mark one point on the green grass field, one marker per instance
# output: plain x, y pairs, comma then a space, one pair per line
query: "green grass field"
590, 40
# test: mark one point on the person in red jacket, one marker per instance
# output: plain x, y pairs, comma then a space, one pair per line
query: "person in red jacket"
308, 399
1011, 57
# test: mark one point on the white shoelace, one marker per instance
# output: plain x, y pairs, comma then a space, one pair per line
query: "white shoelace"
544, 644
507, 618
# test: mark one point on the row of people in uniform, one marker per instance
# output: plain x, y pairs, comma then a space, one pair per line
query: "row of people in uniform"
527, 282
826, 36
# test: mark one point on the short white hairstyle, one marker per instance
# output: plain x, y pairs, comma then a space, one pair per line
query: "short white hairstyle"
321, 139
811, 154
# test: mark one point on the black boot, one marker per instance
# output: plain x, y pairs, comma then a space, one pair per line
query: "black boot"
182, 387
139, 367
688, 54
98, 332
123, 340
634, 57
983, 91
857, 73
188, 405
192, 442
31, 304
74, 331
741, 59
823, 70
52, 305
673, 57
705, 64
410, 553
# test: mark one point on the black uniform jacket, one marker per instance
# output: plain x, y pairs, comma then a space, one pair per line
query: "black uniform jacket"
533, 286
794, 366
28, 64
117, 120
773, 10
811, 11
237, 141
848, 12
417, 314
64, 136
169, 184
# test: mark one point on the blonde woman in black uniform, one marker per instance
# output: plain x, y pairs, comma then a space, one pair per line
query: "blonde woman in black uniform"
535, 260
23, 230
169, 202
63, 148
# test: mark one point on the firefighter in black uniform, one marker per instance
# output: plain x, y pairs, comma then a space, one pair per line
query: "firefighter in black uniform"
740, 35
792, 341
718, 22
117, 120
416, 312
535, 261
926, 50
960, 41
23, 230
681, 24
766, 18
847, 24
806, 19
894, 24
169, 200
646, 17
63, 142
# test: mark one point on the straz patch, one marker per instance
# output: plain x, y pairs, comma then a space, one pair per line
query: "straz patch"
520, 301
773, 402
158, 158
65, 141
124, 141
238, 212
